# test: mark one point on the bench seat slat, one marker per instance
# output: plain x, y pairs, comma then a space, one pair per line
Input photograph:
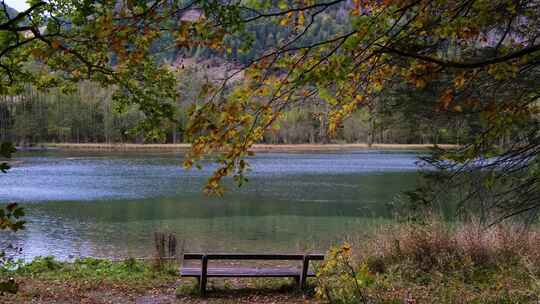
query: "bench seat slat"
250, 256
243, 272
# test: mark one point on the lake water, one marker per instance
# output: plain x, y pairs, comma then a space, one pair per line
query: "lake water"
109, 204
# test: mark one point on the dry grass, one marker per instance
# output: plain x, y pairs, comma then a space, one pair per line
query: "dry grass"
463, 263
438, 246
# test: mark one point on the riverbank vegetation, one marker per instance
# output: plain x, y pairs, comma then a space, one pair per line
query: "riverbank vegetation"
432, 262
46, 280
89, 280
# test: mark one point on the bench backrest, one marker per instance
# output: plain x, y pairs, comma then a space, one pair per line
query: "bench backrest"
205, 257
253, 256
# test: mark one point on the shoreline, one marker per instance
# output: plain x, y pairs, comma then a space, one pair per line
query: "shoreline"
255, 148
453, 266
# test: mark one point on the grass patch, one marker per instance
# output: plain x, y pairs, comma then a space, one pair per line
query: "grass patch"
96, 271
48, 280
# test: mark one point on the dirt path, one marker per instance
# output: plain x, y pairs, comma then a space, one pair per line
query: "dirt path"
183, 291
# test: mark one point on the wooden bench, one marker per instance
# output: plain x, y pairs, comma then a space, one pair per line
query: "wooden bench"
204, 272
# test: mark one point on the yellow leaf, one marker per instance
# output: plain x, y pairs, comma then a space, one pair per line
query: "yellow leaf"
301, 19
346, 248
420, 83
459, 81
188, 163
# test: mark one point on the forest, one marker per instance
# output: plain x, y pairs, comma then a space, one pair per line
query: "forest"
87, 113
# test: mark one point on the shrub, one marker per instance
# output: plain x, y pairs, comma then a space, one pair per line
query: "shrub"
41, 264
340, 280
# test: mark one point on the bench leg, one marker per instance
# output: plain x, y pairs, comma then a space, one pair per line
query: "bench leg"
203, 278
202, 286
304, 274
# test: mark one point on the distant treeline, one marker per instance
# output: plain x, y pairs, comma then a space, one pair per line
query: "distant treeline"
90, 116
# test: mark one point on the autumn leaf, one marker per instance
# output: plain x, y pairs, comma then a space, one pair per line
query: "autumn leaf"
55, 44
459, 81
446, 98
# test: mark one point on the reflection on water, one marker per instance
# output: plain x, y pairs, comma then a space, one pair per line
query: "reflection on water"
97, 204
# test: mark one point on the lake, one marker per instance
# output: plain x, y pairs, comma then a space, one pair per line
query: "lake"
108, 204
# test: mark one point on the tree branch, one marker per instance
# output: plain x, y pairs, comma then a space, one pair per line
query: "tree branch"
9, 24
462, 65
